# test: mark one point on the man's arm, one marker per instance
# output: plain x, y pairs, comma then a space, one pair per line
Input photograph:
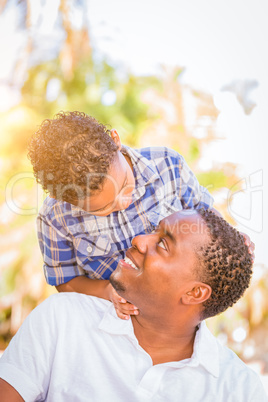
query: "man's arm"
25, 365
8, 393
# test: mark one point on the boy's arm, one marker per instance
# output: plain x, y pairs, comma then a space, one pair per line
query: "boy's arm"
100, 288
83, 284
60, 254
62, 271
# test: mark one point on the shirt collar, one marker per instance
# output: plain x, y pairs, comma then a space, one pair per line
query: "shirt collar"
76, 211
113, 325
144, 171
206, 351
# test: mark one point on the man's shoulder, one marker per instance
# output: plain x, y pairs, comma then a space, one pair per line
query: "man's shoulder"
76, 299
237, 370
221, 361
74, 304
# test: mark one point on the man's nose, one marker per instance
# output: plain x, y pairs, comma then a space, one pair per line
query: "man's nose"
142, 242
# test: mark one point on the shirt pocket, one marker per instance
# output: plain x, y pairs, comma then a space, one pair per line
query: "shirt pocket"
92, 248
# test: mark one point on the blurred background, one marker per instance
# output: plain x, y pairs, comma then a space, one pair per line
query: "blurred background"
188, 75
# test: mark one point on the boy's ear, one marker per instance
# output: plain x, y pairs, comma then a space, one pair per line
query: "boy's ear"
116, 138
199, 294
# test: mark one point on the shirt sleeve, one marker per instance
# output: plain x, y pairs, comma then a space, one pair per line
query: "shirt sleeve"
27, 361
250, 387
258, 393
60, 265
193, 195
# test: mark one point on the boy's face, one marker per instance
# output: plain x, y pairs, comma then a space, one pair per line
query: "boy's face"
117, 190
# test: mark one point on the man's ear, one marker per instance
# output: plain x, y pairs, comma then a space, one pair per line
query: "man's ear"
199, 294
116, 138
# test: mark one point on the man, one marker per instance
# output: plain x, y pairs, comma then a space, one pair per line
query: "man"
73, 347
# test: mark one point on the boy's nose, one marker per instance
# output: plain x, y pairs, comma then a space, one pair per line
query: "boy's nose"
124, 203
124, 199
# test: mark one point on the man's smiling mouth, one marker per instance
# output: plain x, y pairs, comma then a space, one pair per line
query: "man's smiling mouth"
131, 263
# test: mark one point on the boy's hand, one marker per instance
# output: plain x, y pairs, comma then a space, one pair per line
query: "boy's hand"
123, 308
250, 244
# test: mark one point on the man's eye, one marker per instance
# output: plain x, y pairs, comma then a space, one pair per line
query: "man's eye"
162, 244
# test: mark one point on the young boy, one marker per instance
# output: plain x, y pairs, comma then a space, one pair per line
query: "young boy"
101, 195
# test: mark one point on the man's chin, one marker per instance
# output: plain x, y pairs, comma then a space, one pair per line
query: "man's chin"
117, 285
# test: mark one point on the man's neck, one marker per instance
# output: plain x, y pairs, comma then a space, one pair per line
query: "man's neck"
165, 342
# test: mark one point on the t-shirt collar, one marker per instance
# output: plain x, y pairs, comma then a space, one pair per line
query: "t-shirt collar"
113, 325
206, 352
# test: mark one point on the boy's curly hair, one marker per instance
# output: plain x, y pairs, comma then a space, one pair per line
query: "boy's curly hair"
66, 150
226, 264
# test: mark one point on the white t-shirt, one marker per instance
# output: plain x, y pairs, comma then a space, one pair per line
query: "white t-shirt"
73, 347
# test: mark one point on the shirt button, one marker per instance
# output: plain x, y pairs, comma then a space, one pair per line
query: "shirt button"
89, 249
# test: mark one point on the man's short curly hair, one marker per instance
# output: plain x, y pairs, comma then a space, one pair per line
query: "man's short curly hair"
66, 150
226, 264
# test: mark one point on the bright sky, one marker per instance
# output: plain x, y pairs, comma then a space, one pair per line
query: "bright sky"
217, 41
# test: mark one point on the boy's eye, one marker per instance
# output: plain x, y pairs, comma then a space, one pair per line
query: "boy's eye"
162, 244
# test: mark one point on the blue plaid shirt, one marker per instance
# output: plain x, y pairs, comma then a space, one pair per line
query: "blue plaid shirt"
74, 242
